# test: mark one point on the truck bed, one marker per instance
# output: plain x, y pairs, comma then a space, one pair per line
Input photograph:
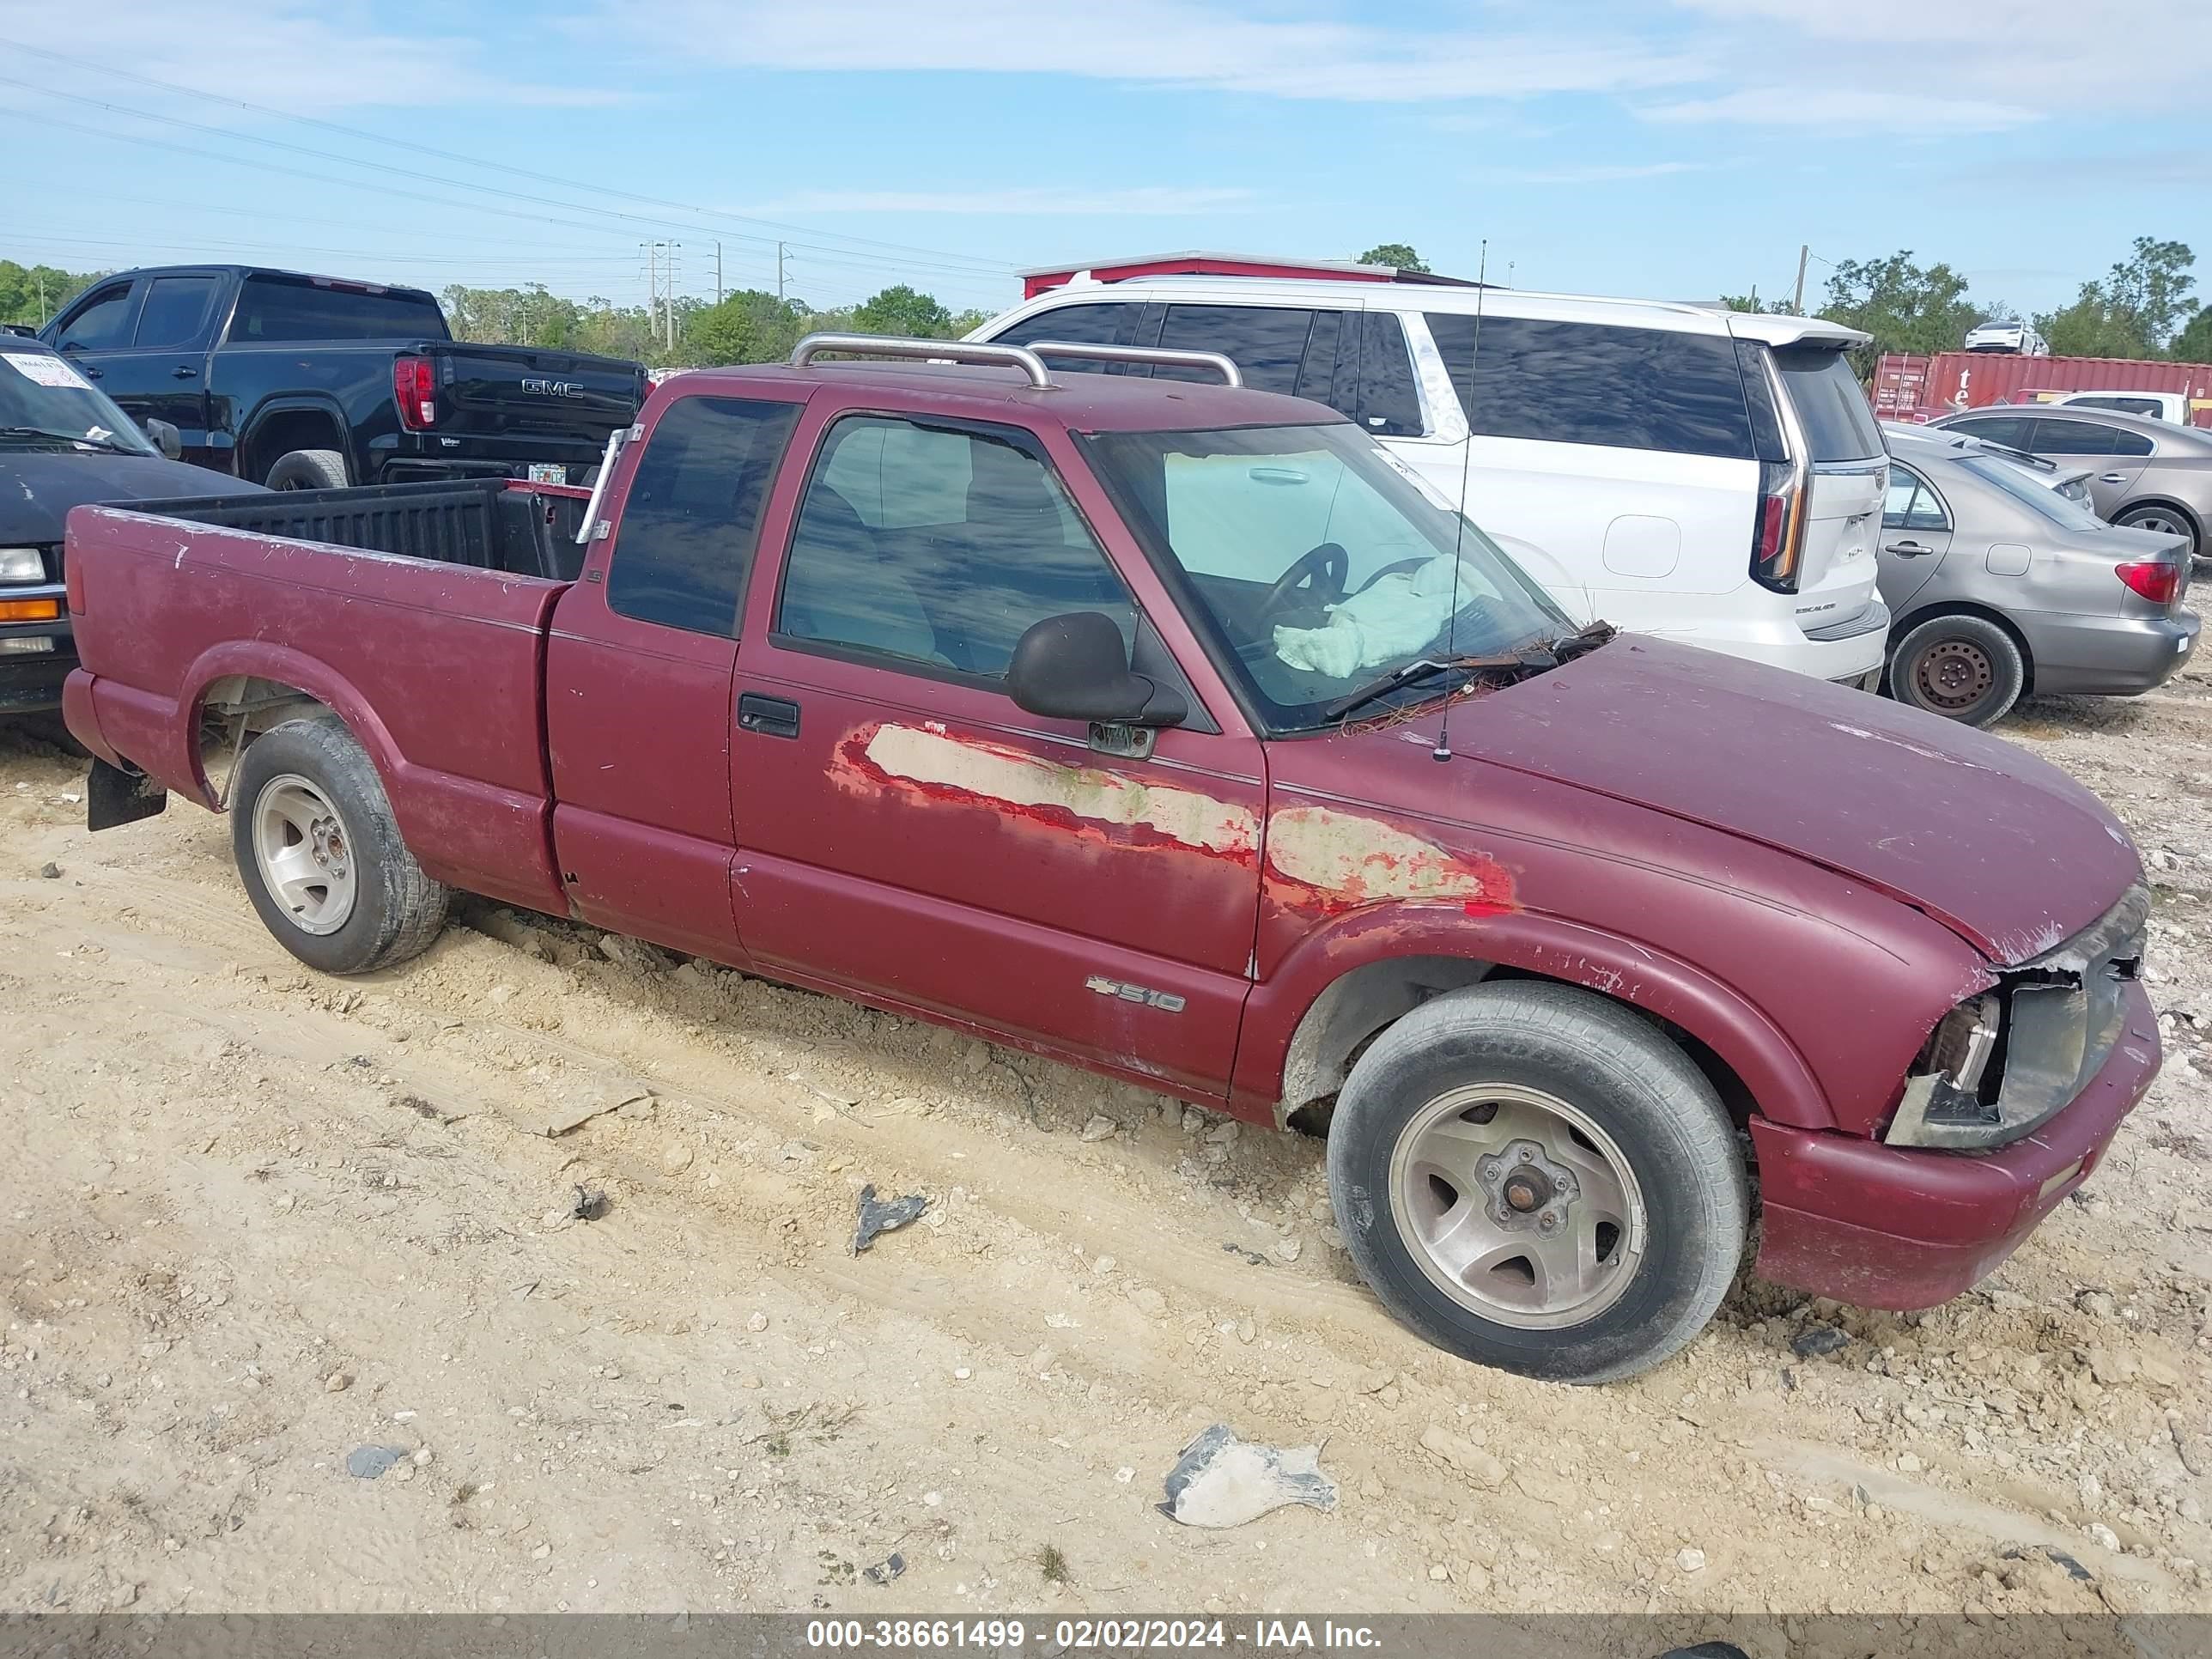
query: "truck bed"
489, 524
433, 653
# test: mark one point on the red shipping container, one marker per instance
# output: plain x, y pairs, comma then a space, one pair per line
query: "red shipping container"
1905, 384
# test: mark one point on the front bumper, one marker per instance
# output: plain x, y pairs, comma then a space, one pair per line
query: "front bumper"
1896, 1227
32, 681
2108, 656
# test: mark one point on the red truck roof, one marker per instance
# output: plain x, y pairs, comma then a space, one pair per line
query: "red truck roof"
1086, 403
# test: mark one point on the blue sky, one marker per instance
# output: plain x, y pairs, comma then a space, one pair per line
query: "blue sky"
1674, 147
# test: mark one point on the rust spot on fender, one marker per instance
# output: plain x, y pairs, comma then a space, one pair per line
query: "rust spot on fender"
1320, 857
926, 765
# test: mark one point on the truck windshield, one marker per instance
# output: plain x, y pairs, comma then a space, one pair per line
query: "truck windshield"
45, 402
1318, 568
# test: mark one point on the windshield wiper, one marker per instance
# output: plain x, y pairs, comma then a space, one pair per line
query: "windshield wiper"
1411, 671
1508, 666
86, 438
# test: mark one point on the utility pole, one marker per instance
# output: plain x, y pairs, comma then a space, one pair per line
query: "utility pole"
674, 249
718, 270
779, 270
1797, 300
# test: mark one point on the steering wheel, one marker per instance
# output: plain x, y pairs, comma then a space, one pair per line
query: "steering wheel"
1318, 575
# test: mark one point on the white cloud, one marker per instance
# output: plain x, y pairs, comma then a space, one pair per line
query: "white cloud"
1198, 43
294, 55
1958, 64
1596, 174
1894, 113
1159, 199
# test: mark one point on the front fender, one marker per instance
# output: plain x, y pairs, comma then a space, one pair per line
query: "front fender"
1769, 1065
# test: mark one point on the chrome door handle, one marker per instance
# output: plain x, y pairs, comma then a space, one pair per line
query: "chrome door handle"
184, 372
2111, 477
1907, 549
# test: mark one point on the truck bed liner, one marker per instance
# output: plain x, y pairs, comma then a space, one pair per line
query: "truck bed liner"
490, 523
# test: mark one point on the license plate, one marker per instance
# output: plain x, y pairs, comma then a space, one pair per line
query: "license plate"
548, 472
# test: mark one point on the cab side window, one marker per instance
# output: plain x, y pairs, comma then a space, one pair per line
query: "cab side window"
937, 546
692, 517
101, 325
176, 308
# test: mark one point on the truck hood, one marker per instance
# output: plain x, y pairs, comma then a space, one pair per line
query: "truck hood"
39, 487
2007, 852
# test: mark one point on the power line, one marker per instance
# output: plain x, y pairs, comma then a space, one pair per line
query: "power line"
993, 265
44, 120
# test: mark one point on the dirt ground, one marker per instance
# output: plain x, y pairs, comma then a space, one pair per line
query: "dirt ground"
253, 1221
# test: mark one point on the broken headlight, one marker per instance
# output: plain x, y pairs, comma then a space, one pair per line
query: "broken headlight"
2005, 1060
1951, 1099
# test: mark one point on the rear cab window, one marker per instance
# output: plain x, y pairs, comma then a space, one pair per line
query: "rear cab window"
280, 308
691, 519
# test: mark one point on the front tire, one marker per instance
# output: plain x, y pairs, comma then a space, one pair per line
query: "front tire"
309, 469
320, 853
1533, 1177
1965, 668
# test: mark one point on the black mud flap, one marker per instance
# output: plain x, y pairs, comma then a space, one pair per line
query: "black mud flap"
114, 796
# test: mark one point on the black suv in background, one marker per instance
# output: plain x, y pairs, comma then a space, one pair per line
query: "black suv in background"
312, 383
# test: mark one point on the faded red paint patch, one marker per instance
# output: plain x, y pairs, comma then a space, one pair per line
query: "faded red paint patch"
925, 765
1322, 859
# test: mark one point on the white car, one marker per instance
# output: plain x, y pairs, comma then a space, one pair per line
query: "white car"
2155, 406
2007, 334
1711, 476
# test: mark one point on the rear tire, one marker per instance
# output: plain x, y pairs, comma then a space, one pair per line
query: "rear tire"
1533, 1177
1965, 668
309, 469
320, 853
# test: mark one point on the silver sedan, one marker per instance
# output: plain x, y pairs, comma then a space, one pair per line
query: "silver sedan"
2000, 587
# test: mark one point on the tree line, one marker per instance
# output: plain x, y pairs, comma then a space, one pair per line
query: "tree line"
2145, 306
749, 327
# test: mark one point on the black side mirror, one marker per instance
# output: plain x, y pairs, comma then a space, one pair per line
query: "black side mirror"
163, 437
1075, 667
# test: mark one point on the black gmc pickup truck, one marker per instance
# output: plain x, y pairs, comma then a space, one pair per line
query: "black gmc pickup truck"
314, 383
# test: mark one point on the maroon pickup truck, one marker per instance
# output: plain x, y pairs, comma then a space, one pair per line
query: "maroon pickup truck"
1168, 730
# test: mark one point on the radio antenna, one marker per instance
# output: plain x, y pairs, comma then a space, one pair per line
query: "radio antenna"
1442, 750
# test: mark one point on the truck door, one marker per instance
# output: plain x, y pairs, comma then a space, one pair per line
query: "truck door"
638, 672
908, 835
95, 332
163, 375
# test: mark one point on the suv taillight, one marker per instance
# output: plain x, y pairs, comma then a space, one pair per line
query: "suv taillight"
1778, 530
2156, 580
415, 388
